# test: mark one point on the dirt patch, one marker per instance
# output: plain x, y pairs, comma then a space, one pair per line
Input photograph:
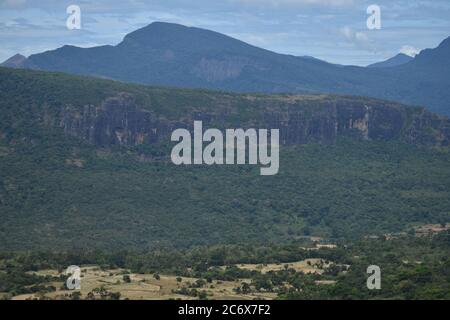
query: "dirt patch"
308, 266
143, 286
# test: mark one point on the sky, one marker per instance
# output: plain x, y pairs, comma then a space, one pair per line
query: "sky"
332, 30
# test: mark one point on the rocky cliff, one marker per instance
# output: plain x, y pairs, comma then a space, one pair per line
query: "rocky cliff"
120, 120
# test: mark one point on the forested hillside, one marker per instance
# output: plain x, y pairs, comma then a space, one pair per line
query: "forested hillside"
349, 167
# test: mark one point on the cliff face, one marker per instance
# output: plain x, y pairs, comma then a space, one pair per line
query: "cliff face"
120, 120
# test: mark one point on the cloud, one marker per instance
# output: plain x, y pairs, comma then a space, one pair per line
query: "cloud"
291, 3
12, 4
358, 39
409, 51
354, 36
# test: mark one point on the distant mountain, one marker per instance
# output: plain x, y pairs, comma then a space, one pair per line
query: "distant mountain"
433, 59
16, 61
399, 59
175, 55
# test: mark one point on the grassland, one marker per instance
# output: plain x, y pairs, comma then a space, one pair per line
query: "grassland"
135, 286
147, 287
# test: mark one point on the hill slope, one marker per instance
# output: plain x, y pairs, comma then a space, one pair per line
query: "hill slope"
170, 54
398, 60
16, 61
75, 174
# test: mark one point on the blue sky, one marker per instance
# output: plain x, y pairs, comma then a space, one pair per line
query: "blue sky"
333, 30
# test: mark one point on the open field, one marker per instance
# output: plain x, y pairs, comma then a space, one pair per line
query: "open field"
316, 266
143, 286
163, 287
240, 273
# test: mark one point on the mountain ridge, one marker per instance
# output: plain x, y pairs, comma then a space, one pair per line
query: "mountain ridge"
397, 60
16, 61
175, 55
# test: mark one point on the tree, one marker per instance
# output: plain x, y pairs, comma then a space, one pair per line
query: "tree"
246, 288
202, 295
75, 295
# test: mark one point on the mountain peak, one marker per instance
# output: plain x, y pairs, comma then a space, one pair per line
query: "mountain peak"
16, 61
397, 60
157, 27
177, 37
158, 33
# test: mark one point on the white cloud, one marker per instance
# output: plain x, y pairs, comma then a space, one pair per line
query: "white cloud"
291, 3
354, 36
12, 3
409, 51
358, 39
347, 32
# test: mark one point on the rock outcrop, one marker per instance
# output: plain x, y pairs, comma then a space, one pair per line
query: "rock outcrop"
120, 120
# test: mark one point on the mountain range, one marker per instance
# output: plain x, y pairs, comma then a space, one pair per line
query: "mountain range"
167, 54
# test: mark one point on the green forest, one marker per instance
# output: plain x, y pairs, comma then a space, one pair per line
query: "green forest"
65, 201
59, 192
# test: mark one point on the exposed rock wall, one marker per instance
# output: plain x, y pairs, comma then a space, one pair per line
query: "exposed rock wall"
120, 121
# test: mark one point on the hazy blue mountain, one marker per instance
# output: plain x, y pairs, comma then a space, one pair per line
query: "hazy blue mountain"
175, 55
438, 58
16, 61
398, 60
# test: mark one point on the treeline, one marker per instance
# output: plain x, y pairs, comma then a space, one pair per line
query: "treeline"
171, 260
